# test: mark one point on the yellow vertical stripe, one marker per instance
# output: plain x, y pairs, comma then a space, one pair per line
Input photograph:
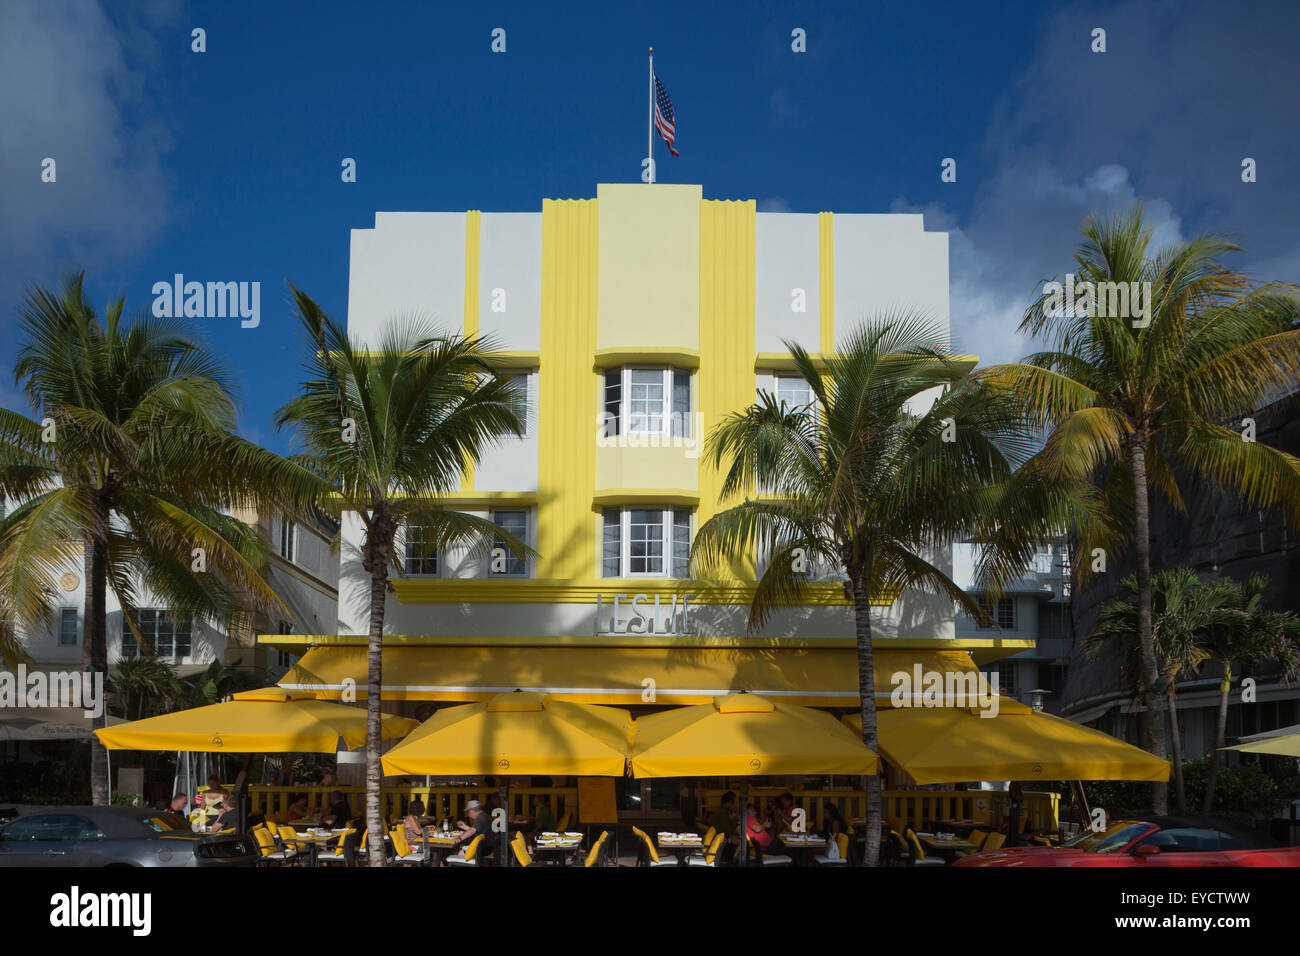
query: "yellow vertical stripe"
826, 224
727, 334
566, 467
473, 221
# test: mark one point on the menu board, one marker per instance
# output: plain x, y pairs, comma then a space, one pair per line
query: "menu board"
597, 802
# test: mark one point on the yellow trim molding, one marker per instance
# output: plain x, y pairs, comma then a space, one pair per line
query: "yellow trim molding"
542, 591
650, 355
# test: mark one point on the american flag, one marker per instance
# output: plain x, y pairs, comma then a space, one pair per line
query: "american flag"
664, 120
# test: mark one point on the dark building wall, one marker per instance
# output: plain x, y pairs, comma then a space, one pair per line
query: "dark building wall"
1220, 536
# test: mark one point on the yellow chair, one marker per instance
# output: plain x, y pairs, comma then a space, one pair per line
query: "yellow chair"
994, 841
650, 856
709, 834
266, 846
918, 852
403, 853
842, 845
471, 857
520, 848
338, 856
596, 855
713, 850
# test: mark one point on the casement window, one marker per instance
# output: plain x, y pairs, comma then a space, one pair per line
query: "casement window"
169, 633
646, 542
793, 391
288, 539
69, 632
1003, 614
521, 402
648, 401
515, 523
421, 554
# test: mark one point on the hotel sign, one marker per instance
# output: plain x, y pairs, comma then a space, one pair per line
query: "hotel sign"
640, 616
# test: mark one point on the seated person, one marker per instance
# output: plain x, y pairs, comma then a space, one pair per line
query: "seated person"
724, 819
783, 813
832, 822
414, 821
284, 776
178, 805
297, 808
228, 818
480, 825
543, 818
328, 778
759, 830
339, 813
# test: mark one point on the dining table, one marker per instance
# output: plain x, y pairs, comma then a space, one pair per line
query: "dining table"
557, 845
679, 844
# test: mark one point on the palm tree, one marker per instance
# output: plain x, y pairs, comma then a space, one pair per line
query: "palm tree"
873, 486
391, 430
1127, 400
146, 686
1185, 613
1248, 634
131, 465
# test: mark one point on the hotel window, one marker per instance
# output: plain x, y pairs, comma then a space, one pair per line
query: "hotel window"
646, 542
648, 401
169, 634
421, 557
793, 391
1003, 614
519, 401
288, 538
68, 631
284, 658
515, 523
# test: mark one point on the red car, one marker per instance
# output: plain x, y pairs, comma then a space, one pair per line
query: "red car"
1154, 841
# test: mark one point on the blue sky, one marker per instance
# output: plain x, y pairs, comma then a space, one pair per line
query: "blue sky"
225, 165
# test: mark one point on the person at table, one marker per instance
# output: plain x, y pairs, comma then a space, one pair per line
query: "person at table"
284, 776
760, 829
480, 824
783, 814
414, 821
339, 812
724, 818
228, 818
832, 822
212, 793
543, 817
179, 804
297, 808
328, 778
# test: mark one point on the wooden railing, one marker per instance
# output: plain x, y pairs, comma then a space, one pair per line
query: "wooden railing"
917, 808
393, 801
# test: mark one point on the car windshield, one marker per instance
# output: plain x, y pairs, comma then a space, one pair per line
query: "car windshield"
1113, 838
164, 823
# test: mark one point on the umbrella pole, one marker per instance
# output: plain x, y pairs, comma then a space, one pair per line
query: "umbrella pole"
1085, 815
504, 839
742, 829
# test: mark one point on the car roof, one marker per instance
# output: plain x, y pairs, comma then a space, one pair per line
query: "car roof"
114, 821
1251, 838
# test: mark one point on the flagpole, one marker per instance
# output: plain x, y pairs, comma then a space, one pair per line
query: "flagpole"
650, 139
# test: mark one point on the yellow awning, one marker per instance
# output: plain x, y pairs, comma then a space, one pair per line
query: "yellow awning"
1287, 745
744, 735
517, 733
614, 675
951, 745
270, 720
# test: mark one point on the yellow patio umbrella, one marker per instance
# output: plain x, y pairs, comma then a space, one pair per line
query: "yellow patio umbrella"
1286, 745
955, 744
270, 720
517, 733
745, 735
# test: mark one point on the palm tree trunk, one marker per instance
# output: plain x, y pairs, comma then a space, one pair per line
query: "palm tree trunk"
867, 709
94, 645
378, 551
374, 677
1225, 688
1176, 745
1155, 700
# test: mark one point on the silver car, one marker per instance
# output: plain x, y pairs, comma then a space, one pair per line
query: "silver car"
117, 836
